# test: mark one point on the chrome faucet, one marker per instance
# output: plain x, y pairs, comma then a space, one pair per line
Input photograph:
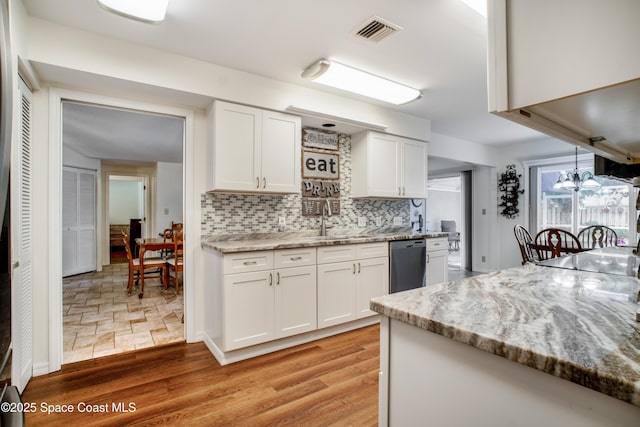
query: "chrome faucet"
326, 211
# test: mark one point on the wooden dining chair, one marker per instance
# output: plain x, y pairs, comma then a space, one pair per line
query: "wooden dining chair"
598, 236
524, 239
135, 270
175, 264
555, 242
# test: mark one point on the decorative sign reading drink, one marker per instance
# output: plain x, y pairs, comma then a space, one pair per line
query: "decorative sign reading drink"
319, 164
317, 188
316, 138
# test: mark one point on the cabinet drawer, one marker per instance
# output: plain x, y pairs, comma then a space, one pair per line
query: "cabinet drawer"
294, 257
372, 250
337, 253
245, 262
437, 244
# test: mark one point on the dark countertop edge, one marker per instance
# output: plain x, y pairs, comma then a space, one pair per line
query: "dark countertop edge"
249, 245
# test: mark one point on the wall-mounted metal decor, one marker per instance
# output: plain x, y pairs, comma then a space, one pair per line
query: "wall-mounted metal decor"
509, 185
316, 138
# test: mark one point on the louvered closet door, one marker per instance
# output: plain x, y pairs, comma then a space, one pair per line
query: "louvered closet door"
22, 247
78, 221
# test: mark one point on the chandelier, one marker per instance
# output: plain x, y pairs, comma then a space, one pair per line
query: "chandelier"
575, 181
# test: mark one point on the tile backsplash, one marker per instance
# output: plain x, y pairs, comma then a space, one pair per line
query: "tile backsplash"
250, 213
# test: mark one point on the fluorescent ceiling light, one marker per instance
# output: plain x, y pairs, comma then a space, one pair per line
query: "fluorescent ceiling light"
479, 6
150, 11
343, 77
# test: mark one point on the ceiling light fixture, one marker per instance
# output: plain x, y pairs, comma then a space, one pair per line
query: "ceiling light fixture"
343, 77
576, 182
149, 11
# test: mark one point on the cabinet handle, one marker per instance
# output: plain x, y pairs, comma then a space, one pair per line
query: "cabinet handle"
264, 182
358, 268
403, 192
427, 258
270, 279
278, 278
257, 182
295, 258
250, 263
399, 191
354, 268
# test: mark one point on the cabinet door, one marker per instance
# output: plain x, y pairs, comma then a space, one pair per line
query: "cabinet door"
295, 301
236, 152
248, 309
281, 136
336, 293
372, 281
437, 267
414, 169
383, 165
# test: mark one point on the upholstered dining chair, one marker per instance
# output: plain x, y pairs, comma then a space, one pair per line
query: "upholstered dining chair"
175, 264
135, 270
597, 236
555, 242
449, 227
524, 239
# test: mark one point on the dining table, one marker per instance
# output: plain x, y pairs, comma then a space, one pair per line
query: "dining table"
150, 244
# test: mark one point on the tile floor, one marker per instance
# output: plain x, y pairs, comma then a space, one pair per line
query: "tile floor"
101, 319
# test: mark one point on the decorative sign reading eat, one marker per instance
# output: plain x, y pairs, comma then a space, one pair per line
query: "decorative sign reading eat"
318, 164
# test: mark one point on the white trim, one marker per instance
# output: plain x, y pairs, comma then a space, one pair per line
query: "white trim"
192, 224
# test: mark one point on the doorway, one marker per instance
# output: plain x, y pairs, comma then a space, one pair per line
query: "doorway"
132, 150
126, 197
448, 210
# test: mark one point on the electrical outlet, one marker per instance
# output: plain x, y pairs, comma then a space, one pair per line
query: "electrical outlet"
378, 221
484, 258
397, 220
362, 221
166, 211
282, 221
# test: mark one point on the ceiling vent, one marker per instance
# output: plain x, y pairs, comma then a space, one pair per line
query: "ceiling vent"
376, 29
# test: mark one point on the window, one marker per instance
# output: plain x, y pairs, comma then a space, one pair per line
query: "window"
610, 205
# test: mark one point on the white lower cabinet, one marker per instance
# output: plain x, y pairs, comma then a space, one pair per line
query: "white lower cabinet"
265, 305
345, 286
437, 260
264, 296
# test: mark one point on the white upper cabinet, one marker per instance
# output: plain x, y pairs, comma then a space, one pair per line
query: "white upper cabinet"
254, 150
570, 69
388, 166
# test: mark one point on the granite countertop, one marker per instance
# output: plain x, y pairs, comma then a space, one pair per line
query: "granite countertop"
231, 243
576, 325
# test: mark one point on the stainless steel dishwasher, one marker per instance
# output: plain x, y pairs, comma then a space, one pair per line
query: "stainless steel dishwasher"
408, 264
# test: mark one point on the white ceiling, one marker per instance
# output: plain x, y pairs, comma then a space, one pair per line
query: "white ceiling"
441, 49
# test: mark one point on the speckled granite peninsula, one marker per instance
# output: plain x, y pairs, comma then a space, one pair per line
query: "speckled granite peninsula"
576, 325
246, 242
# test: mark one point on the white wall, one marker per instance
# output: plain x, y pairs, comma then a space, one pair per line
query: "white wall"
71, 157
443, 205
168, 195
125, 200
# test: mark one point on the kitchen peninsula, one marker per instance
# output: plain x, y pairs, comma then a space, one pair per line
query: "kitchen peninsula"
576, 329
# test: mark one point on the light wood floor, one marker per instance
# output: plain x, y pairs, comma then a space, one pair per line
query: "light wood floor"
333, 381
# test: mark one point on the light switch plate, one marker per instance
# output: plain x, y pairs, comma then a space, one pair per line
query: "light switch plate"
378, 221
362, 221
397, 220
